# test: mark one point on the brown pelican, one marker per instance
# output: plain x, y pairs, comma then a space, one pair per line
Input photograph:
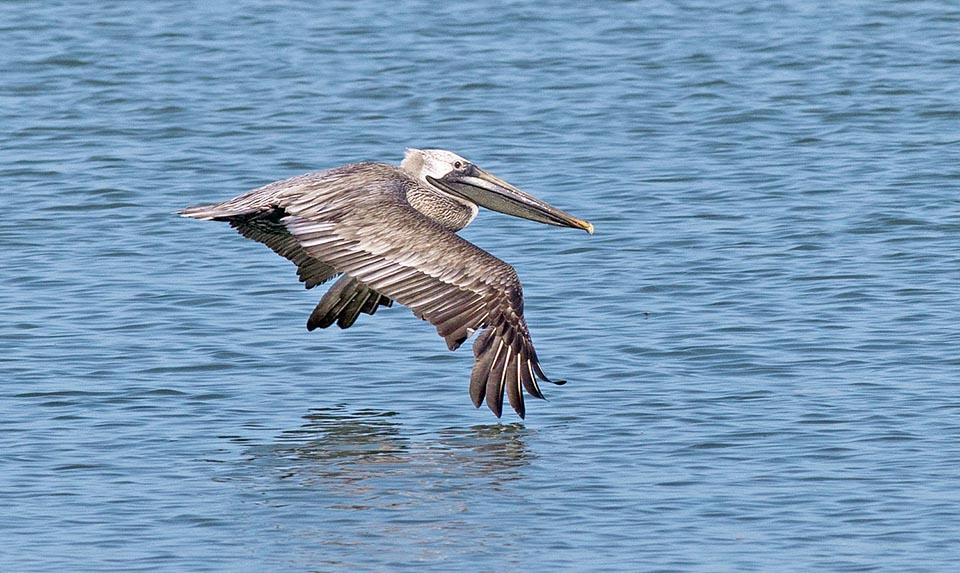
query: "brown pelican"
391, 232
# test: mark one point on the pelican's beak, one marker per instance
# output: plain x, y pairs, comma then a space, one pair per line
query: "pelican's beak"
489, 191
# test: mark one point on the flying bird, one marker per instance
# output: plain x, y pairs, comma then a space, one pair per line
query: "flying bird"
389, 232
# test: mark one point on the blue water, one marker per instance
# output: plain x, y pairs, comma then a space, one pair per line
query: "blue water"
761, 337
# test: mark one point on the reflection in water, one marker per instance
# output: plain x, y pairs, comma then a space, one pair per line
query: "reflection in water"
332, 435
491, 449
349, 487
364, 459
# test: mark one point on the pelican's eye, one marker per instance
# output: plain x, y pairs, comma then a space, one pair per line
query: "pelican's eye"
458, 164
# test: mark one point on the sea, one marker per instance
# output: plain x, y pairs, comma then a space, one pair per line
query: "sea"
761, 340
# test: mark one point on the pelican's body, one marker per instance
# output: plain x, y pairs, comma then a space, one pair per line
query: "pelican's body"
391, 232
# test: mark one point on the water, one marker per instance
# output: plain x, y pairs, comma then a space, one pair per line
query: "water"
761, 338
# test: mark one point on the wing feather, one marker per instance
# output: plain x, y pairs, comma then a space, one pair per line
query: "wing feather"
265, 227
456, 286
511, 381
495, 378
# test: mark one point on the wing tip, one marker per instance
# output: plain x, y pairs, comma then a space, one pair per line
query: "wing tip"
202, 212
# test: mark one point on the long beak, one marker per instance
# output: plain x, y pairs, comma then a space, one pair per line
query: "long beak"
494, 193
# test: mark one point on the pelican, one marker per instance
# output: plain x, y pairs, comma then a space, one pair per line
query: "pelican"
390, 231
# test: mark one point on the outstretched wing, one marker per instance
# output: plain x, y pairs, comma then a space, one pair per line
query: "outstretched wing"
265, 227
394, 249
256, 215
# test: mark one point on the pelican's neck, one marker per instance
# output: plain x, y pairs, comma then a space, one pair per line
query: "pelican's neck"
450, 212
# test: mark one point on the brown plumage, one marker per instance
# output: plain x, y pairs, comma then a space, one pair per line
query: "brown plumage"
391, 232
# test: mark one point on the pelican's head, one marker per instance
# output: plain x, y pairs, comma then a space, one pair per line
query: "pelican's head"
455, 176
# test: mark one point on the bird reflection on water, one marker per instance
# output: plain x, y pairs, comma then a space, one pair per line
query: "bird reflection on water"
369, 460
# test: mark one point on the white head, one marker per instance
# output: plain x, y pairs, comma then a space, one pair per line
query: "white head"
465, 182
436, 163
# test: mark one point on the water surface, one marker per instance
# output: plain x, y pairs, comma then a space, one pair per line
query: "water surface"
760, 338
